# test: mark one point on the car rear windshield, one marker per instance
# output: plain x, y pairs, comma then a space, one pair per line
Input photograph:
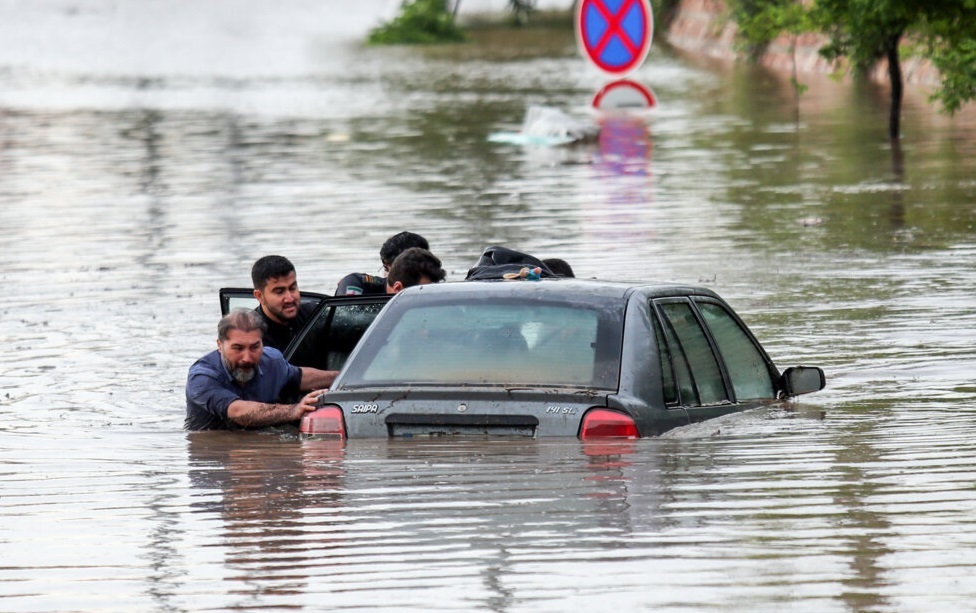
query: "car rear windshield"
493, 343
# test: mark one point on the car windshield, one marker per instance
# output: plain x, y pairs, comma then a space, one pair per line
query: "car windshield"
504, 343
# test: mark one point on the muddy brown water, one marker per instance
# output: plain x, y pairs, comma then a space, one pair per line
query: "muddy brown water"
150, 152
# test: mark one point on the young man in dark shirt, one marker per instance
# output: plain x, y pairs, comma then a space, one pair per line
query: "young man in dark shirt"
358, 283
415, 266
280, 303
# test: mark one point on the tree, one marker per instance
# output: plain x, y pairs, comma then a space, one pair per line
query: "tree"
866, 31
761, 21
521, 10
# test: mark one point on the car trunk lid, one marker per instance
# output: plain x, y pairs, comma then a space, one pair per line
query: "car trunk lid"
468, 412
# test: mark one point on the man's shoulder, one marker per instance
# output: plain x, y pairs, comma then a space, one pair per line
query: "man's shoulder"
358, 283
272, 357
260, 311
207, 363
271, 354
305, 310
274, 364
207, 370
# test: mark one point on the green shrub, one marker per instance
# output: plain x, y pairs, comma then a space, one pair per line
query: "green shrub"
419, 22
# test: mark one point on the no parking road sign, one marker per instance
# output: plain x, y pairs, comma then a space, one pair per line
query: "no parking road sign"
615, 34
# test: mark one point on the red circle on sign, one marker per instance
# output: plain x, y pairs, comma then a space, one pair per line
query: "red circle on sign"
624, 94
615, 34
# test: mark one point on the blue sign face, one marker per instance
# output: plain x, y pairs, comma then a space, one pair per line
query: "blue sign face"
615, 34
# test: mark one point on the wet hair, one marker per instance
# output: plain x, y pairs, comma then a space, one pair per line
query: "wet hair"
412, 265
560, 268
398, 243
270, 267
244, 320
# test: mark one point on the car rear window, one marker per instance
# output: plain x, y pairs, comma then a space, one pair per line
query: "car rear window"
494, 343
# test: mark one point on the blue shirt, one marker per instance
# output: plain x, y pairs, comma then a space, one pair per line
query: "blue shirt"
210, 389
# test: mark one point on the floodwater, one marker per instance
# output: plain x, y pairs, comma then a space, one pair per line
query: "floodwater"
151, 151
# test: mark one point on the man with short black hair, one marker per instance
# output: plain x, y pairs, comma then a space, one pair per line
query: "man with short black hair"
357, 283
280, 303
240, 384
415, 266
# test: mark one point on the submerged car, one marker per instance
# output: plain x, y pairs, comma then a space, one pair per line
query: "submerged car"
552, 357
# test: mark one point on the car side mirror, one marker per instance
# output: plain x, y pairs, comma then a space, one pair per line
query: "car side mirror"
801, 380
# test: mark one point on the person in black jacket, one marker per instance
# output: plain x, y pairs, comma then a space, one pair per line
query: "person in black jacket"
280, 303
358, 283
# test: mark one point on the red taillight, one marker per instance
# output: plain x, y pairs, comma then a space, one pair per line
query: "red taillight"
325, 422
605, 423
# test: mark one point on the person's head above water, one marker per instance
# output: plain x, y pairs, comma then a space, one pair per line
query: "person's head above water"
559, 267
239, 341
397, 244
415, 266
276, 288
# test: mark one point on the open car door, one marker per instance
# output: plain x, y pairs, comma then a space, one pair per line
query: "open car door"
243, 298
333, 330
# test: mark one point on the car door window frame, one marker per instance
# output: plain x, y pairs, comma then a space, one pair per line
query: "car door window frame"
674, 342
229, 293
332, 304
670, 348
771, 370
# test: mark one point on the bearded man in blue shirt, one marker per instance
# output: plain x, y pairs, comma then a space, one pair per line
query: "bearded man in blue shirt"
240, 385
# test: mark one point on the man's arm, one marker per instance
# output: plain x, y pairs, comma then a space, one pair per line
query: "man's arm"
315, 379
249, 413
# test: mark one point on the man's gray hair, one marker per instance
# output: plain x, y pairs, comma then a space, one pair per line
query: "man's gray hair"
244, 320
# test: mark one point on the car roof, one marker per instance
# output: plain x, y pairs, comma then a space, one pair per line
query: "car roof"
560, 288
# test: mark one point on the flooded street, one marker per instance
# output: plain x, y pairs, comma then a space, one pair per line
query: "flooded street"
151, 151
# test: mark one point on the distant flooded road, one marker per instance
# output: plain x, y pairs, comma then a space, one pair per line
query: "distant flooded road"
151, 151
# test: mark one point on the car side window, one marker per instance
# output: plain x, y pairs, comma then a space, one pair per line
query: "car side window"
690, 338
332, 335
746, 364
668, 385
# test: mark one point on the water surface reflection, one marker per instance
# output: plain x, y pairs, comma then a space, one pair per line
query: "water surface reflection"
134, 185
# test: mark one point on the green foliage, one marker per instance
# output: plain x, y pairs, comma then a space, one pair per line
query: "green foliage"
951, 45
419, 22
863, 31
760, 21
866, 30
800, 88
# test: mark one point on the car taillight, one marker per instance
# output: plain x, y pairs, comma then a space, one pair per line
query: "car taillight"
606, 423
324, 422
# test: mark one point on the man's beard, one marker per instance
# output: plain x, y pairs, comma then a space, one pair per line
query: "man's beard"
280, 315
241, 375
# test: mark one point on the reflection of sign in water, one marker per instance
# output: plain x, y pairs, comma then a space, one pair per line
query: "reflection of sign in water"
623, 212
625, 145
615, 34
624, 94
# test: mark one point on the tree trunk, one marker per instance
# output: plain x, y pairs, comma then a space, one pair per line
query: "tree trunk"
796, 82
897, 87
